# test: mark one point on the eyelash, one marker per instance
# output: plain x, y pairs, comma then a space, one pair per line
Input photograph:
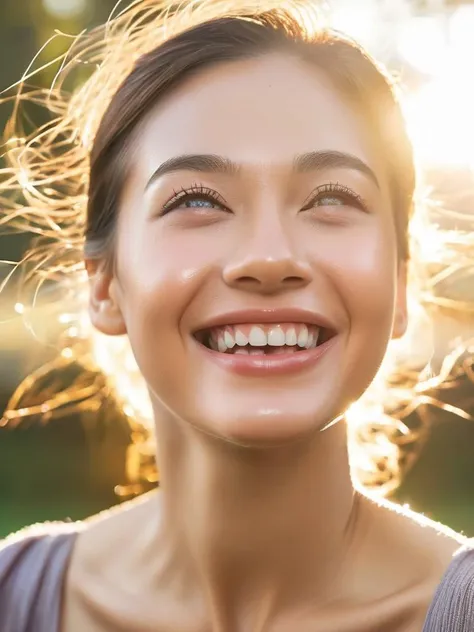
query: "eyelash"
204, 193
191, 193
341, 191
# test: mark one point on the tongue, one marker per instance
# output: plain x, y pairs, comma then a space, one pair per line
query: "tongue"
248, 350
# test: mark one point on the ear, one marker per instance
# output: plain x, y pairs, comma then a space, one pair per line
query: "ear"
400, 321
104, 308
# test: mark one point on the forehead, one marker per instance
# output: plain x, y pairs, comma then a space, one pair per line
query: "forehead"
264, 110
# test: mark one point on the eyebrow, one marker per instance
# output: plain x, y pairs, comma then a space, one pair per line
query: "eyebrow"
319, 160
304, 163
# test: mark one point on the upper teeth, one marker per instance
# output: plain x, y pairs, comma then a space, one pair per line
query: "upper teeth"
301, 335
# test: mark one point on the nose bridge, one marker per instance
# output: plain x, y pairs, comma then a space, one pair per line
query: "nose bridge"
269, 236
269, 257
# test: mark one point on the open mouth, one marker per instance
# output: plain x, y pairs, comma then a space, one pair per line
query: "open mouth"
259, 339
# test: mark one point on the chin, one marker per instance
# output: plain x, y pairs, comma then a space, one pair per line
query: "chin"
267, 426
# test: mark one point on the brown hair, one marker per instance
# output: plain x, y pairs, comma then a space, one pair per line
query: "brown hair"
224, 40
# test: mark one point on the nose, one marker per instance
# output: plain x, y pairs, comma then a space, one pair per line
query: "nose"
268, 262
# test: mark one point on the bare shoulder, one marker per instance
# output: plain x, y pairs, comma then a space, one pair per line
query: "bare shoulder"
404, 558
419, 533
97, 586
418, 550
114, 530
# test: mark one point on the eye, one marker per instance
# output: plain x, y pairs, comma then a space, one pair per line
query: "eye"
334, 194
195, 197
194, 202
328, 200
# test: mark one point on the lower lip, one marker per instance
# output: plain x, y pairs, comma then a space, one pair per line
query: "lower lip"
275, 364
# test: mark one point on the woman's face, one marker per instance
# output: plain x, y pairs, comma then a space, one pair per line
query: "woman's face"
256, 261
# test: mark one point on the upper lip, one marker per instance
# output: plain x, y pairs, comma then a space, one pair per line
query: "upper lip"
268, 315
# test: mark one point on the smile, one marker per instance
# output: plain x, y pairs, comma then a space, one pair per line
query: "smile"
265, 348
262, 339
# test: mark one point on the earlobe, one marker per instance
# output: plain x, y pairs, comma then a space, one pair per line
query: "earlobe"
104, 309
399, 324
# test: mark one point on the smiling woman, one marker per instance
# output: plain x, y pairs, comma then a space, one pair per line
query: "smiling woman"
244, 189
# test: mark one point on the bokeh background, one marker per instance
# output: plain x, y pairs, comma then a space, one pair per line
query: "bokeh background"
69, 467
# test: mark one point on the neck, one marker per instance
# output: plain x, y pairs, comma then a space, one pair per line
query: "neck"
253, 523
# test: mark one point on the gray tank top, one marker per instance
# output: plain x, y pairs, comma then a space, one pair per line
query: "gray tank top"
33, 566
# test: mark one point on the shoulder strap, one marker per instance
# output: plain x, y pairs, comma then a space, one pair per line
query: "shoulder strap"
33, 564
452, 609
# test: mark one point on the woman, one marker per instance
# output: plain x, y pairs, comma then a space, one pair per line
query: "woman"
249, 194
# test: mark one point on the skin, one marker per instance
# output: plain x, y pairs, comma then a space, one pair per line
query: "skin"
257, 525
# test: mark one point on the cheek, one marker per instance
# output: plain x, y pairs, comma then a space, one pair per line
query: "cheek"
159, 267
363, 272
160, 276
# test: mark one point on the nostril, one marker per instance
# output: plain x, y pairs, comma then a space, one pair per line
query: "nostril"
249, 279
289, 279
